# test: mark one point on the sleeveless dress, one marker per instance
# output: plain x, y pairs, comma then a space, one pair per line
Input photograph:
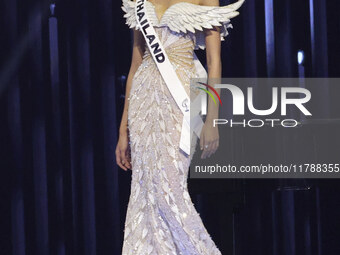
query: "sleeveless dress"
161, 218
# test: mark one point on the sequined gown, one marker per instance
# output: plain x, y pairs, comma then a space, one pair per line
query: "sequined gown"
161, 218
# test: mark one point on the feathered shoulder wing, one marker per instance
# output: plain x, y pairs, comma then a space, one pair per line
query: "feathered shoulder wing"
184, 17
128, 7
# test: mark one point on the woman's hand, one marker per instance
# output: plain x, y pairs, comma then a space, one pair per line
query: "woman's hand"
209, 139
123, 158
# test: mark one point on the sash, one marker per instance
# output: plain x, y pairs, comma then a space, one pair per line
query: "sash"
169, 76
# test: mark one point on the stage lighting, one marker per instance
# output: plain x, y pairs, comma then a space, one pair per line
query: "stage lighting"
301, 57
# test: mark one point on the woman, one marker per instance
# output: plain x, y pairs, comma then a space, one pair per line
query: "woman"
161, 218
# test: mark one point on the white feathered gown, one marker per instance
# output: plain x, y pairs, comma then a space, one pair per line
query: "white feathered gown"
161, 218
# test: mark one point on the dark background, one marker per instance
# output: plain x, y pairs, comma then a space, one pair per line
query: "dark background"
62, 79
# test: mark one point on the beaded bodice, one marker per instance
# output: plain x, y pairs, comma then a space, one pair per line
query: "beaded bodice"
180, 50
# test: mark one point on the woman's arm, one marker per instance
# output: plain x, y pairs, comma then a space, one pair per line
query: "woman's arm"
209, 140
213, 55
122, 149
137, 55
